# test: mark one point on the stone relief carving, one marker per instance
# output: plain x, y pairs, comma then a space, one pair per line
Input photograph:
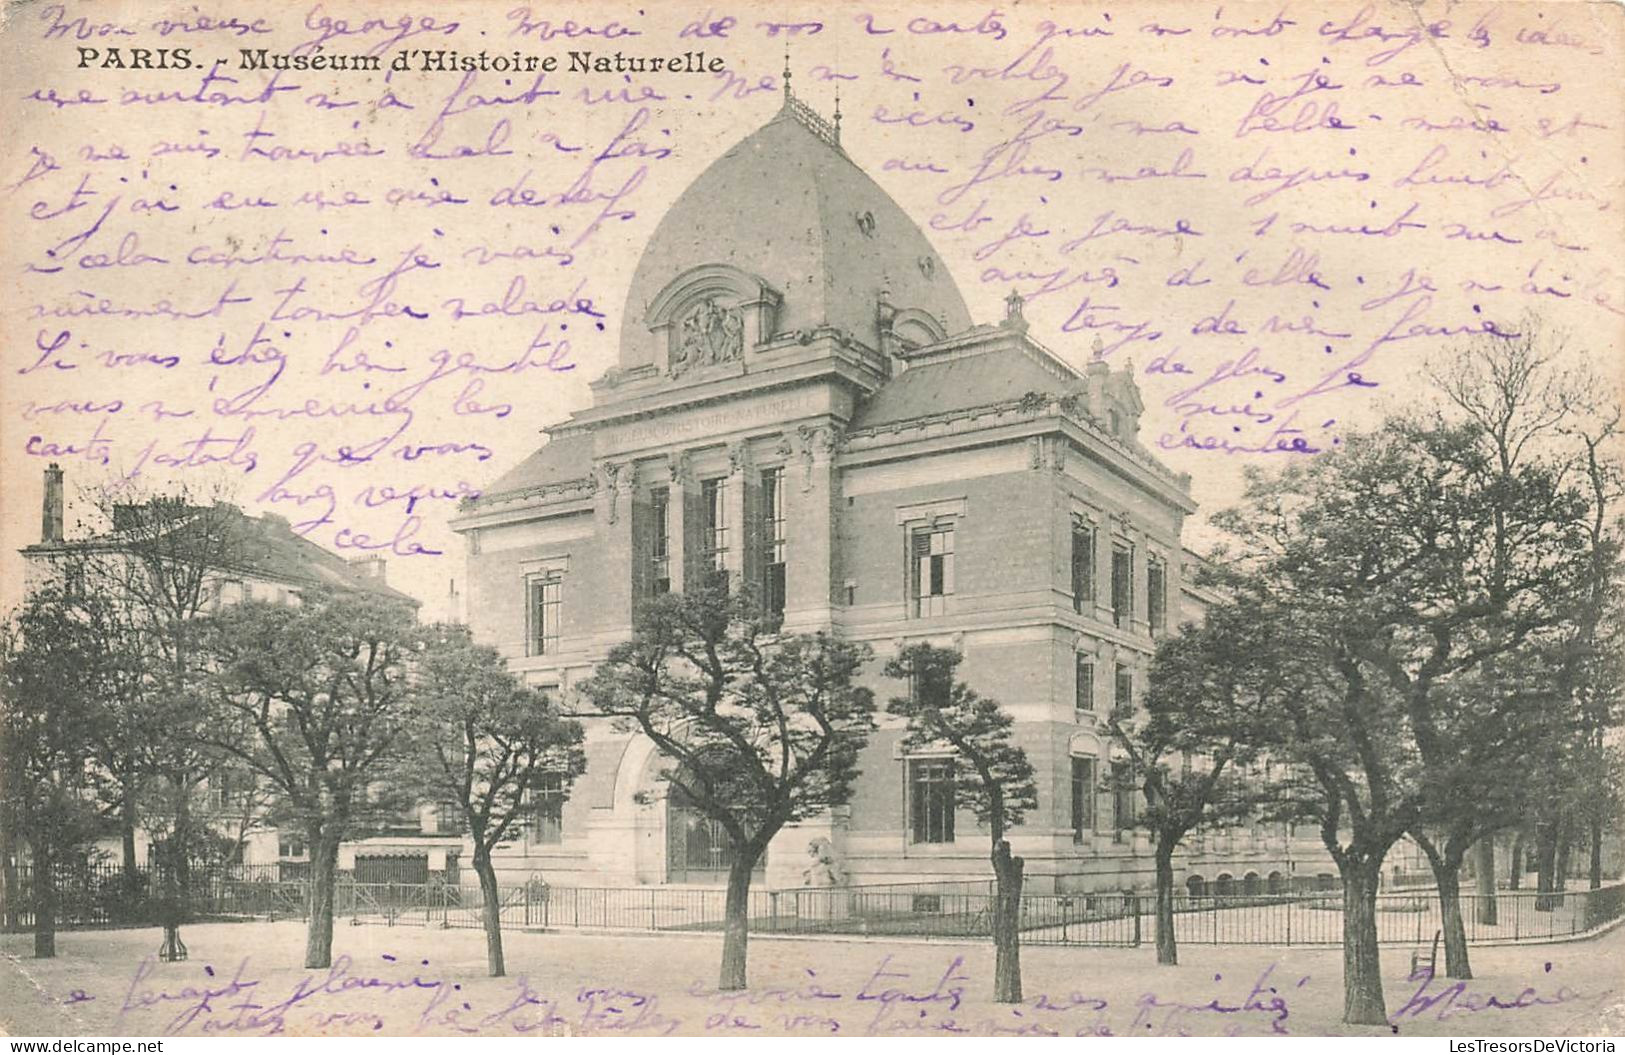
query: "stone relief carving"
612, 473
710, 333
738, 457
826, 869
677, 467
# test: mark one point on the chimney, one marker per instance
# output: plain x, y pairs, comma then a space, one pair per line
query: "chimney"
370, 567
51, 518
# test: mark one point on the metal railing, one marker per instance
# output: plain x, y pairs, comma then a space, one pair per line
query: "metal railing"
953, 910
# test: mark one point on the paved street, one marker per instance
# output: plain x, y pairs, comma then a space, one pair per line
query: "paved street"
246, 978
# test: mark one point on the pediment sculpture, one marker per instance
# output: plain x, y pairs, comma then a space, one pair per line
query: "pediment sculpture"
708, 334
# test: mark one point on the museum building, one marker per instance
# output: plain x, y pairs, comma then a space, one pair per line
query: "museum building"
802, 407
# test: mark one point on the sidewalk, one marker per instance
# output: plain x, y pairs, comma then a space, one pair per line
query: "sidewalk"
411, 980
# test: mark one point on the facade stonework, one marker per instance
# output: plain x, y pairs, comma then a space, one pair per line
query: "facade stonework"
803, 407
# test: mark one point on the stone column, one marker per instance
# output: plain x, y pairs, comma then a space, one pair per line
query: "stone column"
677, 517
738, 508
613, 602
1105, 540
810, 512
1141, 623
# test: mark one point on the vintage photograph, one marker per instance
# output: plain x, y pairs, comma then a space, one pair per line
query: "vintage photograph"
1045, 519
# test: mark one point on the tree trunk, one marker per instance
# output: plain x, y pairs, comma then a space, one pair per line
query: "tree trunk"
1363, 1003
183, 844
736, 921
1595, 869
324, 863
1447, 873
1167, 949
130, 882
44, 904
1488, 912
491, 913
1515, 874
1007, 874
1560, 865
1545, 862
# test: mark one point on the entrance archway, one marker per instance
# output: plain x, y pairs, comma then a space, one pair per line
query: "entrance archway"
698, 849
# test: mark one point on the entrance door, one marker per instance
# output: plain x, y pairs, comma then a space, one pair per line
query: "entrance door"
698, 849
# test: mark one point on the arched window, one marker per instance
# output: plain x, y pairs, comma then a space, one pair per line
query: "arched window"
1224, 885
1276, 884
1250, 886
1196, 886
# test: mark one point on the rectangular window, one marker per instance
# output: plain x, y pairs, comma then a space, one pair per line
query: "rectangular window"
931, 800
714, 528
1156, 594
1083, 566
931, 570
1122, 583
1123, 689
660, 541
1123, 793
290, 846
546, 605
1083, 797
545, 823
774, 533
1085, 686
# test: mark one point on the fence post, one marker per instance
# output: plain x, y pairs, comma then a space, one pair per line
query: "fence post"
652, 909
1136, 922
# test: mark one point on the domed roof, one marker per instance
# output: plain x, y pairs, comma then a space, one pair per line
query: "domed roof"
787, 205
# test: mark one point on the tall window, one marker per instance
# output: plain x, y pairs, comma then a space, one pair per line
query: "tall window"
1083, 565
546, 808
660, 541
1156, 594
714, 525
1122, 583
1085, 682
546, 605
1083, 797
931, 574
931, 800
773, 539
1123, 689
1123, 793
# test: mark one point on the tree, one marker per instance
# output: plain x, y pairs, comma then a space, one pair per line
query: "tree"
317, 699
1211, 694
52, 680
991, 776
158, 565
762, 729
483, 743
1385, 552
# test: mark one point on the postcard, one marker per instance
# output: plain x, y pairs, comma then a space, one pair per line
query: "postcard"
812, 519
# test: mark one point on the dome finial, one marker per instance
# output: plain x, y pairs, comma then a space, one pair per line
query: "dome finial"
837, 107
787, 95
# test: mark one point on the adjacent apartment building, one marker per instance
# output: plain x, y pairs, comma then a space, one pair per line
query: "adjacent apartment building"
803, 405
265, 560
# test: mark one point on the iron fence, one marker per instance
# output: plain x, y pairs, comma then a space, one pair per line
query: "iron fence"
954, 910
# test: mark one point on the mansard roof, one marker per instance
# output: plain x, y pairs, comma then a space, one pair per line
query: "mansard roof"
788, 207
566, 456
